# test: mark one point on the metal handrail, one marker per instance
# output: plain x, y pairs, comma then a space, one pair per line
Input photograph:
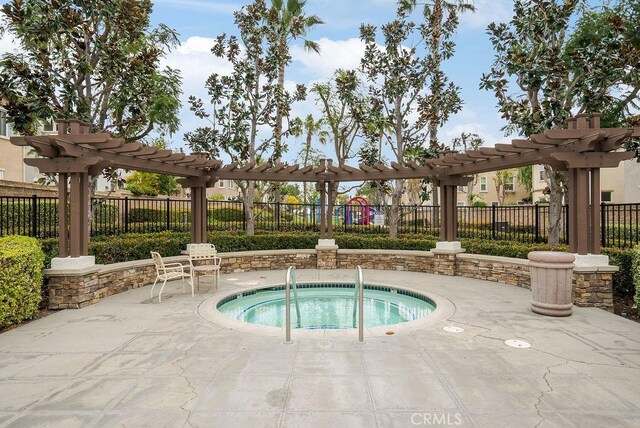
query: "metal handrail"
359, 286
290, 280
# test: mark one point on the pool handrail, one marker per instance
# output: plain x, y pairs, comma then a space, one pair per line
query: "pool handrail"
290, 281
359, 286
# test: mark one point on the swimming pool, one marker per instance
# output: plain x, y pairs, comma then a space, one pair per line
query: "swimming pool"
327, 306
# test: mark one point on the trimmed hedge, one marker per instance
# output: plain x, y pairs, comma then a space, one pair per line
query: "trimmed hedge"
153, 215
21, 263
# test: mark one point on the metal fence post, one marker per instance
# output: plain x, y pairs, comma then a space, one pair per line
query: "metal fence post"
493, 221
603, 224
278, 216
34, 216
126, 214
567, 223
537, 223
415, 219
344, 215
168, 214
244, 217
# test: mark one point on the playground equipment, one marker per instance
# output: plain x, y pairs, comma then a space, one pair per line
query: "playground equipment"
358, 211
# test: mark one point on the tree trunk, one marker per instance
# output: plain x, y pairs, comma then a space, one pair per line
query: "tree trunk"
247, 200
554, 229
394, 215
435, 219
470, 188
278, 130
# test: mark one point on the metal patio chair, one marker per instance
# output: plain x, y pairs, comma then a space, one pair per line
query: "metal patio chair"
203, 260
165, 272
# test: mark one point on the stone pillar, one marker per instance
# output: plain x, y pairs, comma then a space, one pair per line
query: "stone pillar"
593, 282
327, 252
444, 258
551, 282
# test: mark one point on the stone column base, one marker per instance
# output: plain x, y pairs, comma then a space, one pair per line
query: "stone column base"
327, 252
593, 287
444, 257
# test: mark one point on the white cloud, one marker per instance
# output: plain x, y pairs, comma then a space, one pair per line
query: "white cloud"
8, 45
196, 63
487, 11
490, 139
334, 54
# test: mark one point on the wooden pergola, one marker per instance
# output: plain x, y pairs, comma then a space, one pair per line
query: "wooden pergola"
582, 149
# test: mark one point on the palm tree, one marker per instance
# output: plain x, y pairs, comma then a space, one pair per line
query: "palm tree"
289, 23
311, 127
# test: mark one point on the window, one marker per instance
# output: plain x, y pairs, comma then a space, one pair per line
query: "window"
230, 184
605, 196
221, 184
50, 127
3, 124
1, 174
495, 204
461, 204
542, 174
483, 184
510, 185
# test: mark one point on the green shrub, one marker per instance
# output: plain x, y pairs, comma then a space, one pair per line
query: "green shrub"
21, 263
623, 279
636, 274
152, 215
226, 214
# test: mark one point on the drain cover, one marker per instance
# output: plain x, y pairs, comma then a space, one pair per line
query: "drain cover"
515, 343
453, 329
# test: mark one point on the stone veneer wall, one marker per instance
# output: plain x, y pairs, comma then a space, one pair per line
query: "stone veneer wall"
594, 289
414, 261
84, 287
76, 289
492, 268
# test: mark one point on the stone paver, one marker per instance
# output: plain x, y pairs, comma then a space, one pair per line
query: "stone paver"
129, 361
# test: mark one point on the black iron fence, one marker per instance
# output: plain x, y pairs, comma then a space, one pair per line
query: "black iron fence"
38, 217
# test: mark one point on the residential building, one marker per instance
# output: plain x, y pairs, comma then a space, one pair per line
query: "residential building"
484, 189
617, 185
228, 189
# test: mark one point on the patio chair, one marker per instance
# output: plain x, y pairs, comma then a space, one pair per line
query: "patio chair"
165, 272
204, 261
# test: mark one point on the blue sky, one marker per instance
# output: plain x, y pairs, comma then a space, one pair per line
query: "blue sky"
199, 21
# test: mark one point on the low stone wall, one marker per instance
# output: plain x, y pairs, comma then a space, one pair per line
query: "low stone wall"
84, 287
79, 288
248, 261
492, 268
414, 261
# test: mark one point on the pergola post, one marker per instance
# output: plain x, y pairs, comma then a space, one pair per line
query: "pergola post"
449, 212
331, 187
449, 220
323, 212
198, 186
63, 215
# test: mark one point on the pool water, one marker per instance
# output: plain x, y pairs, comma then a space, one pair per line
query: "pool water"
327, 306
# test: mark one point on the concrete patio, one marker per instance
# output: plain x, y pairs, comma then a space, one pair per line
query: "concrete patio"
128, 361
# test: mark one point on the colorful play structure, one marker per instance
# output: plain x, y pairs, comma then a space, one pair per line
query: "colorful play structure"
358, 211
